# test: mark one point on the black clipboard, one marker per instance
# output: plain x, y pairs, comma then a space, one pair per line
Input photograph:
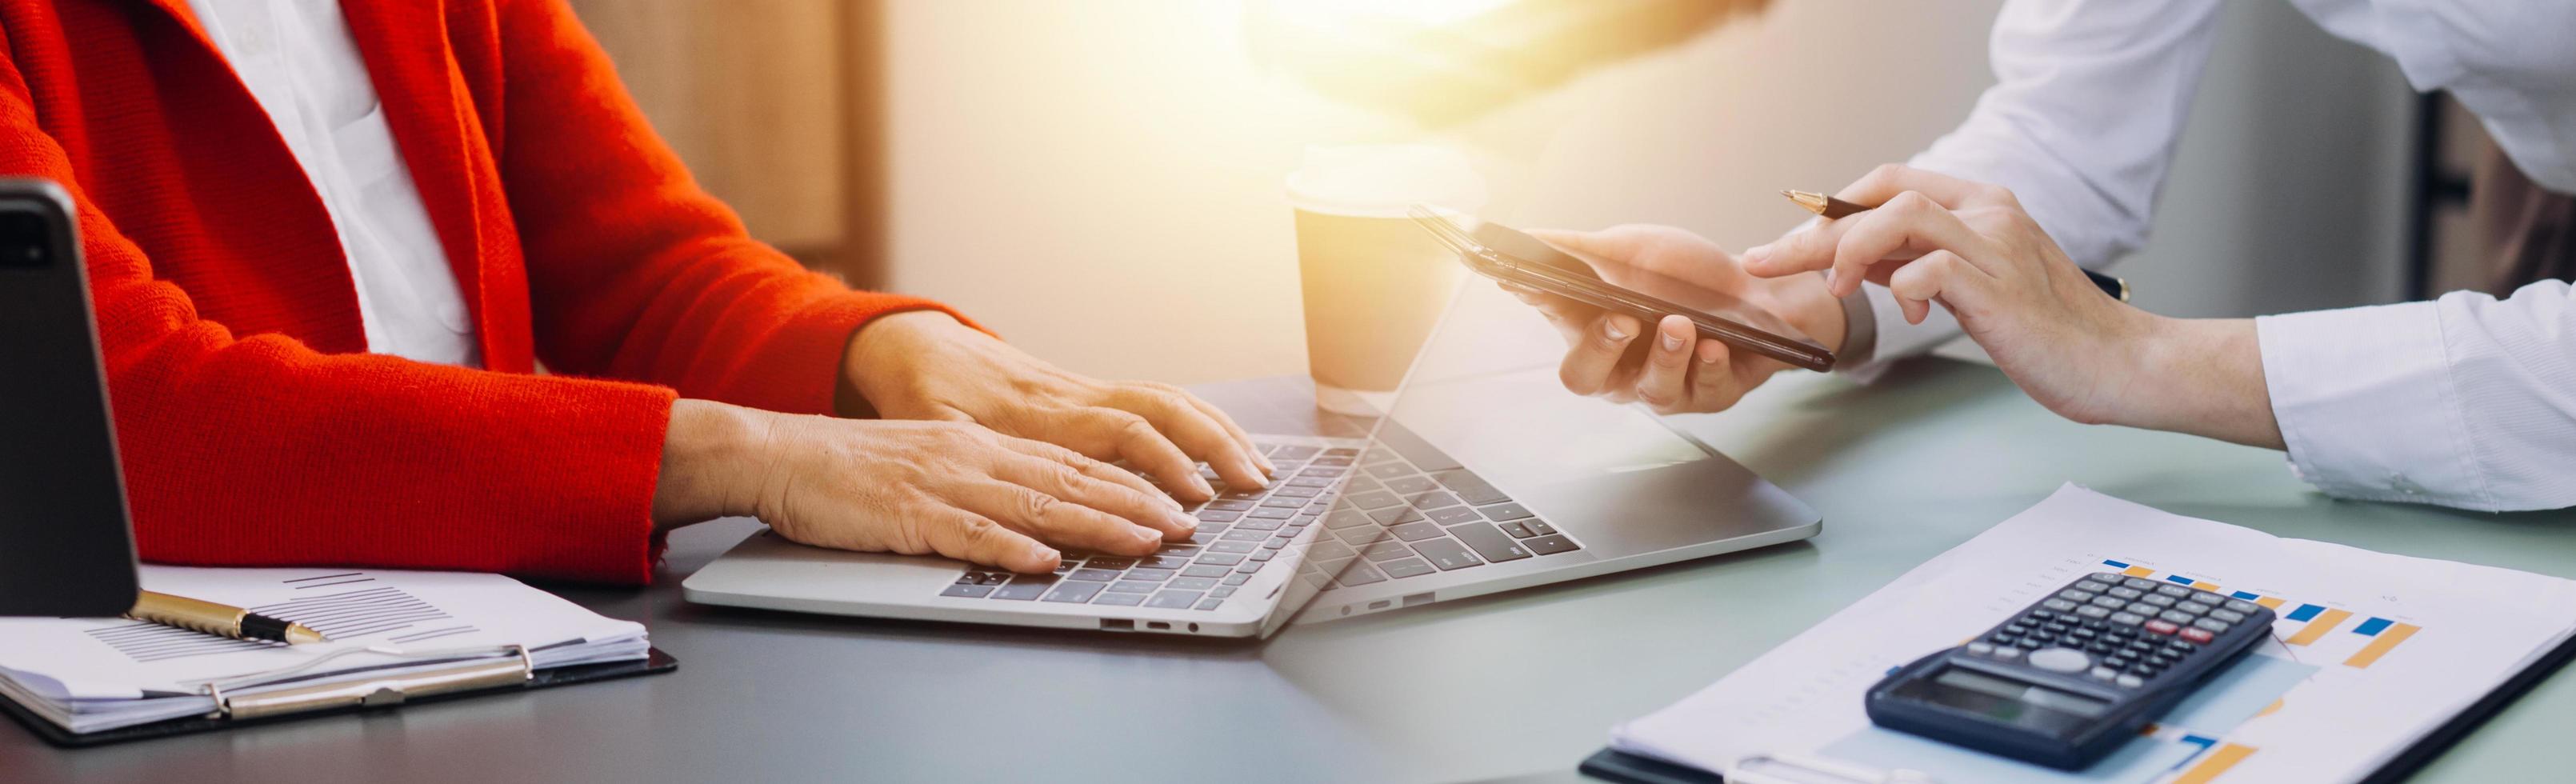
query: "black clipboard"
654, 661
1614, 765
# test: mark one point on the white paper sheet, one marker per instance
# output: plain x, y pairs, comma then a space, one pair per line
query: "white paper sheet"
2372, 651
97, 673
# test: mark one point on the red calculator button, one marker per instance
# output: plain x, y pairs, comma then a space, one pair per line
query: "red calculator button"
2196, 635
2167, 627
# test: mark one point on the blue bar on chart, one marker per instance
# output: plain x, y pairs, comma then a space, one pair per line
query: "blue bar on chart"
2114, 564
2176, 578
2372, 627
2246, 595
2305, 611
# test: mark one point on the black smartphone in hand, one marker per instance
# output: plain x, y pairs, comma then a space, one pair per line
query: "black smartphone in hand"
1510, 256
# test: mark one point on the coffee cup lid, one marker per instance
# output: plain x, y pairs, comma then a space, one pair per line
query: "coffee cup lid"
1384, 180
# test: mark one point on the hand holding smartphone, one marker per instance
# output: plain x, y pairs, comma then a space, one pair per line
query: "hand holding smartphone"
1510, 256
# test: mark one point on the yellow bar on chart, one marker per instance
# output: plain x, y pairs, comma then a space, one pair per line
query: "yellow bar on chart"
2273, 602
2216, 763
2137, 571
2268, 710
2318, 628
2388, 638
2205, 586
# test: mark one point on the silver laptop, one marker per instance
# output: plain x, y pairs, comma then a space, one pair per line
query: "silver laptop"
1477, 483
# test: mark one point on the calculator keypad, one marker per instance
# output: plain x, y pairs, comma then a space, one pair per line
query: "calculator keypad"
2120, 630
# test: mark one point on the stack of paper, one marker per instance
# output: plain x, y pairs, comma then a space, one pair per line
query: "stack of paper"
2371, 653
91, 674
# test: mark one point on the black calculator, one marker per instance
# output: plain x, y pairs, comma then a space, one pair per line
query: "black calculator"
2068, 679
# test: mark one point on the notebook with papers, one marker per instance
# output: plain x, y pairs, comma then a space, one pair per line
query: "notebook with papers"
2356, 632
394, 636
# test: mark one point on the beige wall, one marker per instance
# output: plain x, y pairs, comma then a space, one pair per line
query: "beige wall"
1100, 181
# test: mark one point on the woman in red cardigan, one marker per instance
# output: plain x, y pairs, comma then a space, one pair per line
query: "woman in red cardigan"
328, 253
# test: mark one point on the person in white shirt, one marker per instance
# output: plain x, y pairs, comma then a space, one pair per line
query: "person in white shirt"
2468, 401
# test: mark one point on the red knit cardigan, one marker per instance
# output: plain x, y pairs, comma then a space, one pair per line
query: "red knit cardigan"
255, 430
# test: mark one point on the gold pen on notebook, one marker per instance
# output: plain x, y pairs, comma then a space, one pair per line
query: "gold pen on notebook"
1832, 208
219, 619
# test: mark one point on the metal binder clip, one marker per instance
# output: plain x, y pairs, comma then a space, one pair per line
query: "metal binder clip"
519, 668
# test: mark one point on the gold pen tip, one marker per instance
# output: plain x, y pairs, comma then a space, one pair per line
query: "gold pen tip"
299, 634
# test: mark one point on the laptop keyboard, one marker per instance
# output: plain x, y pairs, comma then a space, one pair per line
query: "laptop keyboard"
1398, 522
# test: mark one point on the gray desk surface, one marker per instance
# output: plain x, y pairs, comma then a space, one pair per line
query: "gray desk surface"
1521, 685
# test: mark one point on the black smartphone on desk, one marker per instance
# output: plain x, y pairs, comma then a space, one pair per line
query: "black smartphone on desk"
65, 546
1510, 256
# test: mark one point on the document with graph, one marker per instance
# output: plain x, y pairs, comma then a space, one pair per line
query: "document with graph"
90, 674
2370, 653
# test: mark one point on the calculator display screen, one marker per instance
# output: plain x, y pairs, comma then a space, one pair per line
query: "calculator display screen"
2006, 700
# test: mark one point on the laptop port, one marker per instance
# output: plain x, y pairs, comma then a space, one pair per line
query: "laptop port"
1111, 625
1379, 604
1419, 598
1159, 626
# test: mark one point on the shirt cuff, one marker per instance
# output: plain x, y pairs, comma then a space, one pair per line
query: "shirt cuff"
2365, 403
1896, 339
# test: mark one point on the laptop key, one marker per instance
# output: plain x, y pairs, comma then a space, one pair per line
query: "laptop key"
1221, 591
1502, 512
1074, 592
1391, 471
1237, 548
1236, 579
1093, 575
1135, 586
1470, 487
1297, 491
1304, 480
1220, 559
1173, 600
1387, 551
1412, 485
967, 590
1539, 527
1191, 583
1202, 537
1260, 524
1359, 573
1550, 544
1230, 506
1283, 502
1210, 604
1374, 499
1024, 589
1259, 555
1296, 451
1207, 570
994, 578
1347, 518
969, 578
1245, 535
1120, 599
1218, 516
1446, 553
1432, 500
1149, 575
1172, 559
1517, 530
1415, 531
1271, 513
1107, 562
1405, 567
1490, 542
1453, 515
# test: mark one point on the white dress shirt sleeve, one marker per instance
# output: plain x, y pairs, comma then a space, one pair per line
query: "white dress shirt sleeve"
2089, 98
2467, 401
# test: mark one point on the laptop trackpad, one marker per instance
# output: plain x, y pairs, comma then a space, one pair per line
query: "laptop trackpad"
1614, 472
